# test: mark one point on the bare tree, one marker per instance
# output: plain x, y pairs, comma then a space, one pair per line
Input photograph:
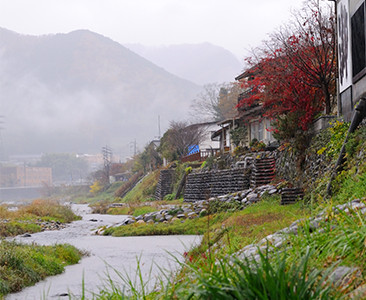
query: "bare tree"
216, 102
179, 137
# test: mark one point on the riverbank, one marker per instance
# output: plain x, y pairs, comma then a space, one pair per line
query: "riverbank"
37, 216
109, 257
24, 265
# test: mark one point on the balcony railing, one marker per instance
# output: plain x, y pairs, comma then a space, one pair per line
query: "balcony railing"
202, 155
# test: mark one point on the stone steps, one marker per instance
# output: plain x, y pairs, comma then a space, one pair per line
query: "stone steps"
165, 184
263, 172
291, 195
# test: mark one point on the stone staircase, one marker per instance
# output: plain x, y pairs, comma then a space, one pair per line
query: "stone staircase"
291, 195
165, 184
263, 171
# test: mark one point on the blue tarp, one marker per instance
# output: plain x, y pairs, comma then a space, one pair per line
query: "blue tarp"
193, 149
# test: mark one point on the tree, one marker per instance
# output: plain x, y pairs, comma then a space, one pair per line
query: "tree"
148, 160
179, 137
293, 74
216, 103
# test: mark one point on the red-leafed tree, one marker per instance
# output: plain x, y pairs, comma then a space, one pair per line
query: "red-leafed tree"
293, 74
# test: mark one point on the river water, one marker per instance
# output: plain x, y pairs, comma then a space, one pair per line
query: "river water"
109, 257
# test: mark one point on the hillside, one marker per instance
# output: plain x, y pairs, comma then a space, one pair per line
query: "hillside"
76, 92
200, 63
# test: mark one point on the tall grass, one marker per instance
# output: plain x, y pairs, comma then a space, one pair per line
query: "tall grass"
24, 265
266, 279
342, 238
27, 218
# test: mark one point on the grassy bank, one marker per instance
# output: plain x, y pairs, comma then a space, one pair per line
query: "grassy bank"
304, 268
24, 265
29, 218
228, 231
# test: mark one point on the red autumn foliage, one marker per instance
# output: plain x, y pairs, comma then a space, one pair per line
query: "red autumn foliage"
295, 72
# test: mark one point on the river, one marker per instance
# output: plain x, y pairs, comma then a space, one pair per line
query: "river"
108, 257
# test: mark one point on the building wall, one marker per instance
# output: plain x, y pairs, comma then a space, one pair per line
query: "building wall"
8, 176
32, 176
351, 20
207, 143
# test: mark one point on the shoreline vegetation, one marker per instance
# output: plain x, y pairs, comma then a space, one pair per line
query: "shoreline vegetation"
23, 265
35, 217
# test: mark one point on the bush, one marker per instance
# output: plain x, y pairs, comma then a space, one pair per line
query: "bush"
268, 278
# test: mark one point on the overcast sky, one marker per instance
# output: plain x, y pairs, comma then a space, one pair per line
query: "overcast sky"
236, 25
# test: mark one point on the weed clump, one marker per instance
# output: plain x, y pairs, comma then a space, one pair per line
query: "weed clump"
24, 265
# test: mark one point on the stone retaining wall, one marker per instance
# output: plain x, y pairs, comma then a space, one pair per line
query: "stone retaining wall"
165, 184
201, 186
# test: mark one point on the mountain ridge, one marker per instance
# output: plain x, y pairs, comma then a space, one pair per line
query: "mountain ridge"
201, 63
81, 90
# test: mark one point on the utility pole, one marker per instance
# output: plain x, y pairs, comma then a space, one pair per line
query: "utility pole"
159, 127
134, 147
107, 159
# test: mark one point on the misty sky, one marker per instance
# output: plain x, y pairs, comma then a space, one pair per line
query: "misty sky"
236, 25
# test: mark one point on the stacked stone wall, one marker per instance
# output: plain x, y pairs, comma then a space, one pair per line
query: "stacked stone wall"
203, 185
165, 184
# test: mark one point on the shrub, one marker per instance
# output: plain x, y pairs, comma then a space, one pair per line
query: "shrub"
96, 187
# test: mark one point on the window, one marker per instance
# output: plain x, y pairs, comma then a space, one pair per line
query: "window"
358, 43
256, 130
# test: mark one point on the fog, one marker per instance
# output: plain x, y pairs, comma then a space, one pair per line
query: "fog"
78, 92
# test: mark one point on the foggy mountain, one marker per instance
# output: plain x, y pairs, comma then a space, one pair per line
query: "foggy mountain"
79, 91
200, 63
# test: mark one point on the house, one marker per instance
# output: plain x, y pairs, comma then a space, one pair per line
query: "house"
257, 126
351, 54
223, 134
206, 146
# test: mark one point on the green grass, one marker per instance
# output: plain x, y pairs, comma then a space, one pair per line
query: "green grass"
194, 226
24, 265
351, 187
342, 239
240, 227
145, 190
140, 210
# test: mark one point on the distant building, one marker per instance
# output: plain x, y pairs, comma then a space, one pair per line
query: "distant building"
17, 176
